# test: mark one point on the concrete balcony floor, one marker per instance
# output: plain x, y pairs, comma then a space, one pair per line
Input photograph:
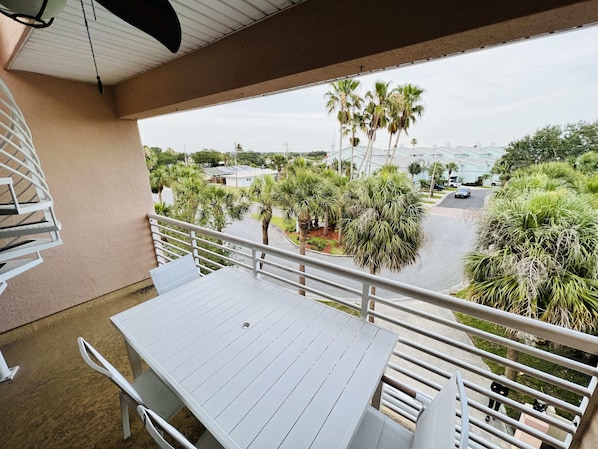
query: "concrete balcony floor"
56, 400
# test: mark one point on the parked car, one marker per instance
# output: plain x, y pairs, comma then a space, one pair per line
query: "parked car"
463, 192
455, 184
438, 187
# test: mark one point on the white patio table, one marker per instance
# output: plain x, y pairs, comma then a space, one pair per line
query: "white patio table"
261, 367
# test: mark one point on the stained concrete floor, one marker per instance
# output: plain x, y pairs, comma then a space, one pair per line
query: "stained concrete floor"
56, 400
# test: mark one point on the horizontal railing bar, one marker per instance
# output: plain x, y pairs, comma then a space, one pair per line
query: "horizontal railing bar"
244, 254
488, 374
521, 347
170, 244
573, 339
540, 375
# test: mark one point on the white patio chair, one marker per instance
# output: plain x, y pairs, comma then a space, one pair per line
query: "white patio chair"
174, 274
435, 425
147, 389
157, 427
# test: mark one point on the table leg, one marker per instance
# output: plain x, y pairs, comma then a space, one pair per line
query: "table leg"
134, 360
377, 398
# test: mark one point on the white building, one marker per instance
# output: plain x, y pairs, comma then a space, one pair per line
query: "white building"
473, 162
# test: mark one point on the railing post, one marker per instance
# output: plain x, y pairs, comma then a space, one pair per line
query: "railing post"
365, 295
254, 262
154, 229
194, 248
588, 419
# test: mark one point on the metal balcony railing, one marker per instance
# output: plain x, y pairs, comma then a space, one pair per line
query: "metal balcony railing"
438, 334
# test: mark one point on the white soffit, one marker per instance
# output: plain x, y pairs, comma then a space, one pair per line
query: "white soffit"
121, 50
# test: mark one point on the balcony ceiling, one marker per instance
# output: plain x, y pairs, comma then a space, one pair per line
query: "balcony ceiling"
122, 51
234, 49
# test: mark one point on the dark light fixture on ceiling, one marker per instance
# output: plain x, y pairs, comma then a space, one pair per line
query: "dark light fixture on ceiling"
154, 17
34, 13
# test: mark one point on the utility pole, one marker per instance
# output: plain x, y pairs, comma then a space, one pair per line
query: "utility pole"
237, 148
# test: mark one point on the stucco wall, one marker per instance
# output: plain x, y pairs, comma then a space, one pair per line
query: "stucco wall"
95, 168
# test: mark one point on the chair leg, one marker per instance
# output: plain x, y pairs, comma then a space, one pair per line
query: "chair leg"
124, 413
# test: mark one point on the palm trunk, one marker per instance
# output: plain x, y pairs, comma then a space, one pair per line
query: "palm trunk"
340, 149
388, 149
351, 168
372, 292
160, 193
325, 231
513, 356
394, 148
265, 240
303, 226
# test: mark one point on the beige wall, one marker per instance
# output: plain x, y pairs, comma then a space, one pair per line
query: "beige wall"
95, 168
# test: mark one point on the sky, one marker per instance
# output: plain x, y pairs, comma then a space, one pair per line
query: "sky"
490, 96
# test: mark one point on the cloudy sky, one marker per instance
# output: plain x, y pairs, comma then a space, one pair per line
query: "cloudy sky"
489, 96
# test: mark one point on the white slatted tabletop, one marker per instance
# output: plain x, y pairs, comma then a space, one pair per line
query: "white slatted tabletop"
259, 366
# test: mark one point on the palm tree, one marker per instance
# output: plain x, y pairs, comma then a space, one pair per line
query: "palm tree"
356, 123
343, 98
412, 110
434, 170
413, 142
186, 191
261, 191
219, 206
415, 168
451, 167
279, 161
536, 256
396, 104
383, 228
298, 196
159, 178
375, 117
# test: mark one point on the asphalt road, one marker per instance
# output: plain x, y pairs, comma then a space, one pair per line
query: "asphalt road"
450, 233
475, 201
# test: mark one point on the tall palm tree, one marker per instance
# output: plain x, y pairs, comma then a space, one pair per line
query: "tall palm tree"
396, 104
412, 109
261, 191
383, 228
356, 123
536, 256
435, 170
375, 116
342, 98
298, 196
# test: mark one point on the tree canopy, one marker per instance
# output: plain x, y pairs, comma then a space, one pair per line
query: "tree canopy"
548, 144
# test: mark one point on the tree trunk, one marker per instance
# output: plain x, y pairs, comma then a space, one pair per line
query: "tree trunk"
340, 149
388, 149
394, 148
160, 193
325, 231
265, 240
513, 356
303, 225
372, 292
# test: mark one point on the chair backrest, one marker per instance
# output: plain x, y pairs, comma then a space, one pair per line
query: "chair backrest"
156, 426
435, 427
94, 359
174, 274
